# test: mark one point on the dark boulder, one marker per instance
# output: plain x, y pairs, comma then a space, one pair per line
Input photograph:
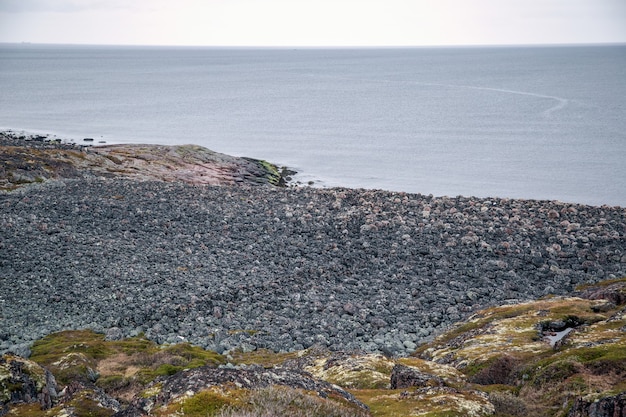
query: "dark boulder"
614, 406
405, 377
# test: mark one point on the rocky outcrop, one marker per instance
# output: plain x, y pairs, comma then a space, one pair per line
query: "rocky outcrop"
254, 377
405, 376
28, 161
612, 406
23, 382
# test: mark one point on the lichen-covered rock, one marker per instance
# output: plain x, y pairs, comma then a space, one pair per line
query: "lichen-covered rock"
24, 381
353, 370
405, 376
612, 406
86, 399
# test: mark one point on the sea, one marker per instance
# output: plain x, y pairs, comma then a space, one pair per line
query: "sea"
546, 123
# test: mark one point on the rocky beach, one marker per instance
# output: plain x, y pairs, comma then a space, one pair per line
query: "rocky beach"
249, 265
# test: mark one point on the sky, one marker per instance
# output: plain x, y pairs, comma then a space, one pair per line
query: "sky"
313, 22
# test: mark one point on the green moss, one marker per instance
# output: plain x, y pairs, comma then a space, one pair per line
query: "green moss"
576, 384
205, 403
167, 369
86, 407
27, 410
393, 403
174, 358
113, 382
134, 345
195, 356
76, 354
57, 345
608, 357
273, 175
555, 372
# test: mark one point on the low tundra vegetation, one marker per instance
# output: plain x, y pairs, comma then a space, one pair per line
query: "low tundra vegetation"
499, 362
84, 355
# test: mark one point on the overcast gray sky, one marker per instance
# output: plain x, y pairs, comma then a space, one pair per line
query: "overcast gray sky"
313, 22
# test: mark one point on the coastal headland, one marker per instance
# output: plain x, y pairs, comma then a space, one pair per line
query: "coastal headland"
28, 159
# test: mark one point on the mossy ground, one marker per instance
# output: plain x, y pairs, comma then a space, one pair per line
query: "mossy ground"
431, 402
501, 349
601, 284
115, 365
263, 357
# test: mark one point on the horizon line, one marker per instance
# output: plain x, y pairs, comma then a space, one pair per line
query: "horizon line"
347, 46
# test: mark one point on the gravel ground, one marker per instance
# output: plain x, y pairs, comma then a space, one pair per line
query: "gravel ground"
226, 267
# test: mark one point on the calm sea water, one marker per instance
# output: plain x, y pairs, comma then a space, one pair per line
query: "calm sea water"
541, 123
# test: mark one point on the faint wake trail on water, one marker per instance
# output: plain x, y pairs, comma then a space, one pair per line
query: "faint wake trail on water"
561, 102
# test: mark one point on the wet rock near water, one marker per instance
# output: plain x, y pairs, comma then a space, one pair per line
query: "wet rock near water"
284, 269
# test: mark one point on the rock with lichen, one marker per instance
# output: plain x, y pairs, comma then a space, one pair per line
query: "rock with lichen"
25, 382
609, 406
403, 376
